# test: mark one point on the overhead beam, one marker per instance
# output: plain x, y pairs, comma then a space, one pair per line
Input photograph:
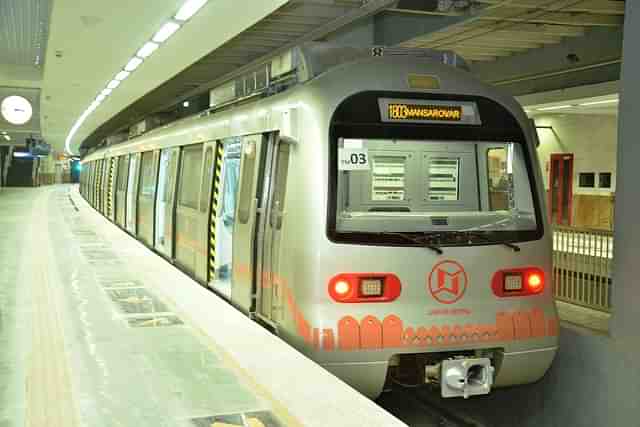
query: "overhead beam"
594, 58
603, 7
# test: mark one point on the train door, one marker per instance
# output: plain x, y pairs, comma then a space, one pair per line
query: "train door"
165, 198
188, 232
132, 191
121, 189
224, 193
245, 226
270, 295
146, 197
561, 188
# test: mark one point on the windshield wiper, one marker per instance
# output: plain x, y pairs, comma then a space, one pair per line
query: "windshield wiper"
422, 241
470, 235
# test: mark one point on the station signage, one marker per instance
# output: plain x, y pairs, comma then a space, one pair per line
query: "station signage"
425, 111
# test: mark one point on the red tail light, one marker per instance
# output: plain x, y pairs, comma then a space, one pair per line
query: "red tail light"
364, 287
518, 282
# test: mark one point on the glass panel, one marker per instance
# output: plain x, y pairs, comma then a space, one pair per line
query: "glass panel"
190, 176
555, 189
248, 169
566, 186
419, 186
500, 186
207, 181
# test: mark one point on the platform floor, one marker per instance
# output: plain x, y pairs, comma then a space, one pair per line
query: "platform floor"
95, 330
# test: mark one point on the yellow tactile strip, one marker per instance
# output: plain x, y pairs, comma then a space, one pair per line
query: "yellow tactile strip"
49, 394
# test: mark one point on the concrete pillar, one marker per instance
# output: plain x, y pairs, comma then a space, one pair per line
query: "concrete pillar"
626, 265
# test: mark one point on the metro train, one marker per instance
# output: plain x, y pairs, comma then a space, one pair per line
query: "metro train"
380, 209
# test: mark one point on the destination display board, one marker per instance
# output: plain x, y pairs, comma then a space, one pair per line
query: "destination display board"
426, 111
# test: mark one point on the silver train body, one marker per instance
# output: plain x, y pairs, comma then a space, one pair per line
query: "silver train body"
383, 214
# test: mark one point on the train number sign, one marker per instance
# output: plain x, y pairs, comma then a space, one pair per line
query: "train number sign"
353, 160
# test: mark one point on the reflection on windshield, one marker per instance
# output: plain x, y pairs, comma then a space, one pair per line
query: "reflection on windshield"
407, 186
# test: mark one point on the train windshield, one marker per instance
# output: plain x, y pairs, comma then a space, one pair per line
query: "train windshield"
428, 186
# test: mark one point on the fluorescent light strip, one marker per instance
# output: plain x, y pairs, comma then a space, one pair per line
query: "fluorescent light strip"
133, 64
122, 75
166, 31
556, 107
7, 137
189, 8
113, 84
607, 101
146, 50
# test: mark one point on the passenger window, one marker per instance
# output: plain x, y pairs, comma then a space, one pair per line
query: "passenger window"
231, 174
123, 169
147, 181
207, 180
500, 183
248, 167
190, 172
280, 186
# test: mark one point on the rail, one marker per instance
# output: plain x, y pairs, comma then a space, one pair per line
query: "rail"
582, 266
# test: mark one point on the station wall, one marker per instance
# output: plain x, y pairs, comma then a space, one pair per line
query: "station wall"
592, 139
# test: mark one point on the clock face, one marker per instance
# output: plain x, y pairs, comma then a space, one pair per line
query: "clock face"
16, 110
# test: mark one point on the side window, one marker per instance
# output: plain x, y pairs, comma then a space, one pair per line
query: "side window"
207, 180
147, 181
499, 181
230, 178
190, 172
248, 169
280, 185
123, 166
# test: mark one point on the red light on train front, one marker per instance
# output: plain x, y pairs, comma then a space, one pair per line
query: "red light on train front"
535, 282
364, 287
518, 282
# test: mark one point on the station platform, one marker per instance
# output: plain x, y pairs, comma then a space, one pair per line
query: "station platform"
96, 330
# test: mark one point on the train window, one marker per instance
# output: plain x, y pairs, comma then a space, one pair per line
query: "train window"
190, 172
207, 180
147, 182
248, 169
395, 185
499, 181
123, 169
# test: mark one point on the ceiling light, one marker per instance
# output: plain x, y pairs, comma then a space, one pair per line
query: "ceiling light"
166, 31
133, 64
189, 8
7, 137
106, 92
185, 104
607, 101
4, 132
147, 49
556, 107
113, 84
100, 97
122, 75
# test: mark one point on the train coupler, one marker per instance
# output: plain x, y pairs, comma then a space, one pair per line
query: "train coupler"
461, 377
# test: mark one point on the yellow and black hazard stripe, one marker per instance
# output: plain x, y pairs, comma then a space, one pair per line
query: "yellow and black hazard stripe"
215, 199
110, 187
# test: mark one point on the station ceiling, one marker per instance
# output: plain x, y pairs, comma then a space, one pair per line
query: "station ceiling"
90, 41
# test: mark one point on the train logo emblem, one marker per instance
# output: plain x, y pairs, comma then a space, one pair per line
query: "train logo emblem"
447, 282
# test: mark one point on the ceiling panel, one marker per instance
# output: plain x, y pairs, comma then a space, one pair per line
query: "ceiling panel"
23, 31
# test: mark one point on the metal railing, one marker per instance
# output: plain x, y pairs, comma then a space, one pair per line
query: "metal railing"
582, 266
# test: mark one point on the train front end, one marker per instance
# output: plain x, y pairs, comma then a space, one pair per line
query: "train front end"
436, 266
